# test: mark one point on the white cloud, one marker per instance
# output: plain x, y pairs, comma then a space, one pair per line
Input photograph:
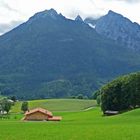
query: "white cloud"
21, 10
6, 27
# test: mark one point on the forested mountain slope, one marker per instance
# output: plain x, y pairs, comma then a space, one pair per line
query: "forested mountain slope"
52, 56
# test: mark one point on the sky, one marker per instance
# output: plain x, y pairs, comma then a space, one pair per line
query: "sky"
15, 12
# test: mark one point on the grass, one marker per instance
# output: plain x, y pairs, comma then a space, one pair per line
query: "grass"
80, 125
1, 97
58, 104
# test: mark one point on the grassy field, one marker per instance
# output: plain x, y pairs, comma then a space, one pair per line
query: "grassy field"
58, 105
80, 125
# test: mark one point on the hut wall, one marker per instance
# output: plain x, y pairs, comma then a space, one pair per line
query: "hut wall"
37, 116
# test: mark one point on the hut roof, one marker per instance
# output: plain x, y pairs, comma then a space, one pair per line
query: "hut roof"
55, 118
44, 111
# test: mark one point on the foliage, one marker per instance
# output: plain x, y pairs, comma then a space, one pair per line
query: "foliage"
80, 96
13, 98
56, 89
5, 105
95, 94
24, 106
98, 99
121, 94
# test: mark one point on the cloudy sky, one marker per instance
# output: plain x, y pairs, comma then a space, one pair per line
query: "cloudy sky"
14, 12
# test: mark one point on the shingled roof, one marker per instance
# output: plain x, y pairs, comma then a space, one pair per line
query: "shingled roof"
44, 111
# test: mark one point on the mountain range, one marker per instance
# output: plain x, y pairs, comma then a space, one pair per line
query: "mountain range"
118, 28
50, 56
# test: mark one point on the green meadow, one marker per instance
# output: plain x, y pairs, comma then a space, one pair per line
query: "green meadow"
77, 123
57, 105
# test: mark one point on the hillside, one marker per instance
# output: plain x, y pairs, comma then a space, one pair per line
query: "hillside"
50, 56
57, 105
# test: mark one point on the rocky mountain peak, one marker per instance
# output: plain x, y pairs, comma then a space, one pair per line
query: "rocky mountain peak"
119, 28
78, 18
45, 14
110, 12
51, 12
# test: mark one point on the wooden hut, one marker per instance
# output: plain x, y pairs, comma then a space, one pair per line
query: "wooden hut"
40, 114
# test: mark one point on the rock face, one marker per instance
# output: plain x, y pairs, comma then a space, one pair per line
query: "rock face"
78, 18
120, 29
46, 14
91, 21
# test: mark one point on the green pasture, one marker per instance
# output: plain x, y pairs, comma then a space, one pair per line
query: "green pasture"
58, 104
75, 125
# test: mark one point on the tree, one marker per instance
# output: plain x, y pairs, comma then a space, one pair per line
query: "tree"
96, 94
80, 96
7, 106
24, 106
121, 94
13, 98
1, 109
85, 97
98, 99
